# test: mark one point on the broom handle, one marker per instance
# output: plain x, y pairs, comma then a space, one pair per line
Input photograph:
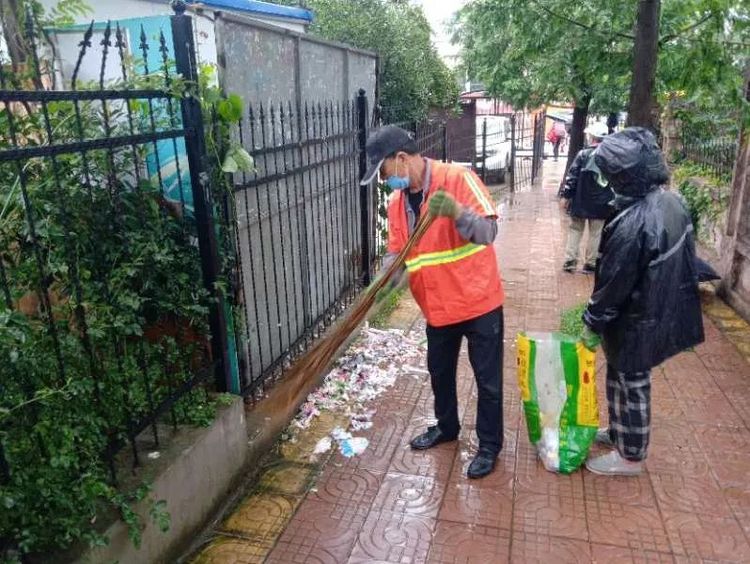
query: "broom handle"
400, 259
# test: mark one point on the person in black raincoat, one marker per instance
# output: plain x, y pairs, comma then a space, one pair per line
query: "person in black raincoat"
645, 305
587, 198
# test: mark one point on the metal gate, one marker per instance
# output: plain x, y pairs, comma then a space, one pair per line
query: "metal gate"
527, 148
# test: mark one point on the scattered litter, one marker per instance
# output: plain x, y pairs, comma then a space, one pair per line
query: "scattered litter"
348, 445
323, 446
353, 447
362, 421
367, 369
153, 455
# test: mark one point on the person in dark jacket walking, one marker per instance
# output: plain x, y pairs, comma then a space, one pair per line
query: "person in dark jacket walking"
588, 198
645, 306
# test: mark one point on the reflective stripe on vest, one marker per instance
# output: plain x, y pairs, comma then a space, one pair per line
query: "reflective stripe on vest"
443, 257
489, 209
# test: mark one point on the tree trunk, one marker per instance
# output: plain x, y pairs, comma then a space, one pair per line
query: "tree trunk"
576, 141
640, 108
12, 32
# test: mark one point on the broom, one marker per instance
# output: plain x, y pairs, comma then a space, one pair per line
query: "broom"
319, 357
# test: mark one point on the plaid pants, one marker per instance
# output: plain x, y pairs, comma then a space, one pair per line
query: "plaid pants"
629, 402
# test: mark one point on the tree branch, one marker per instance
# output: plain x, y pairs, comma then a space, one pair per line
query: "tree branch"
581, 24
691, 27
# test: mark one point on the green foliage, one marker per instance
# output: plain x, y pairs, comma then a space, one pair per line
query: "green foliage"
533, 52
386, 307
571, 322
413, 77
702, 65
705, 195
116, 254
527, 56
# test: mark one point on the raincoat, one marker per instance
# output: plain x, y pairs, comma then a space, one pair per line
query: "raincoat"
645, 302
588, 199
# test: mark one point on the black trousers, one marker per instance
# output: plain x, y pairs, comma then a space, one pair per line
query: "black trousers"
485, 337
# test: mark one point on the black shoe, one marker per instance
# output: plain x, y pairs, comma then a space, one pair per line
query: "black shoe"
589, 268
432, 437
569, 266
483, 464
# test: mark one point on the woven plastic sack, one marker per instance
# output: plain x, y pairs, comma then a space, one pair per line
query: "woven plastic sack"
558, 390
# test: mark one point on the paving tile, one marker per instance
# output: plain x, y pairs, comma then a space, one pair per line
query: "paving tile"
706, 537
635, 490
550, 515
385, 436
415, 495
675, 448
435, 462
532, 477
319, 532
302, 450
531, 547
629, 526
230, 550
393, 537
478, 503
461, 543
605, 554
345, 485
406, 390
666, 409
738, 499
287, 478
261, 516
468, 445
713, 408
739, 399
683, 493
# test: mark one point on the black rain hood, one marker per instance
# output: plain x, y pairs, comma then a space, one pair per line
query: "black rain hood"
632, 162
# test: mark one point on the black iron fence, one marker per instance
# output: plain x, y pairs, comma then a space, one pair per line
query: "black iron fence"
297, 231
717, 151
107, 274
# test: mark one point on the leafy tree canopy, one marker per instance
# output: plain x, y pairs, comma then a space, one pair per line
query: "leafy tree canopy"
530, 52
413, 77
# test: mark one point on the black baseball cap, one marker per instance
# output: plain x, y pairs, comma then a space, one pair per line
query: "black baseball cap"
383, 143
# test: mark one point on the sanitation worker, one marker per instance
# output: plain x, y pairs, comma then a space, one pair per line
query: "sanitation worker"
454, 277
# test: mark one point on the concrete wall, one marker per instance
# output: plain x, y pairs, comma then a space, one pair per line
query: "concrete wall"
298, 235
196, 470
279, 65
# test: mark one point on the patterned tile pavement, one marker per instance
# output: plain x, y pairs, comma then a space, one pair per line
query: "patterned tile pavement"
395, 505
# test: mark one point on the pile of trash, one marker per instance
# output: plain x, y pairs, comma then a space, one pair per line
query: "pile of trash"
368, 368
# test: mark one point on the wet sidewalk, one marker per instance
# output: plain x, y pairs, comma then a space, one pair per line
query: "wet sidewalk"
392, 504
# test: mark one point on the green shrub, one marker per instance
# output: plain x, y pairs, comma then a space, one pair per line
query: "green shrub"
571, 322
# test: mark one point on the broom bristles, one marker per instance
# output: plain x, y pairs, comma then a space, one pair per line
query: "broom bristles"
319, 357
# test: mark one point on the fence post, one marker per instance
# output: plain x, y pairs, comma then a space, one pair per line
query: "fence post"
534, 150
484, 151
445, 142
513, 153
192, 119
364, 191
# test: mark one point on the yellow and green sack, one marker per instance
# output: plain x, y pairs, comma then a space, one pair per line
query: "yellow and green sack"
558, 389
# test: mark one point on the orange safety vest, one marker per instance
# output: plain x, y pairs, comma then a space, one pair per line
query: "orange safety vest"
452, 279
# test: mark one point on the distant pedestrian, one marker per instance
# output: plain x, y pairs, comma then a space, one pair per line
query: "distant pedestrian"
645, 306
587, 198
556, 136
